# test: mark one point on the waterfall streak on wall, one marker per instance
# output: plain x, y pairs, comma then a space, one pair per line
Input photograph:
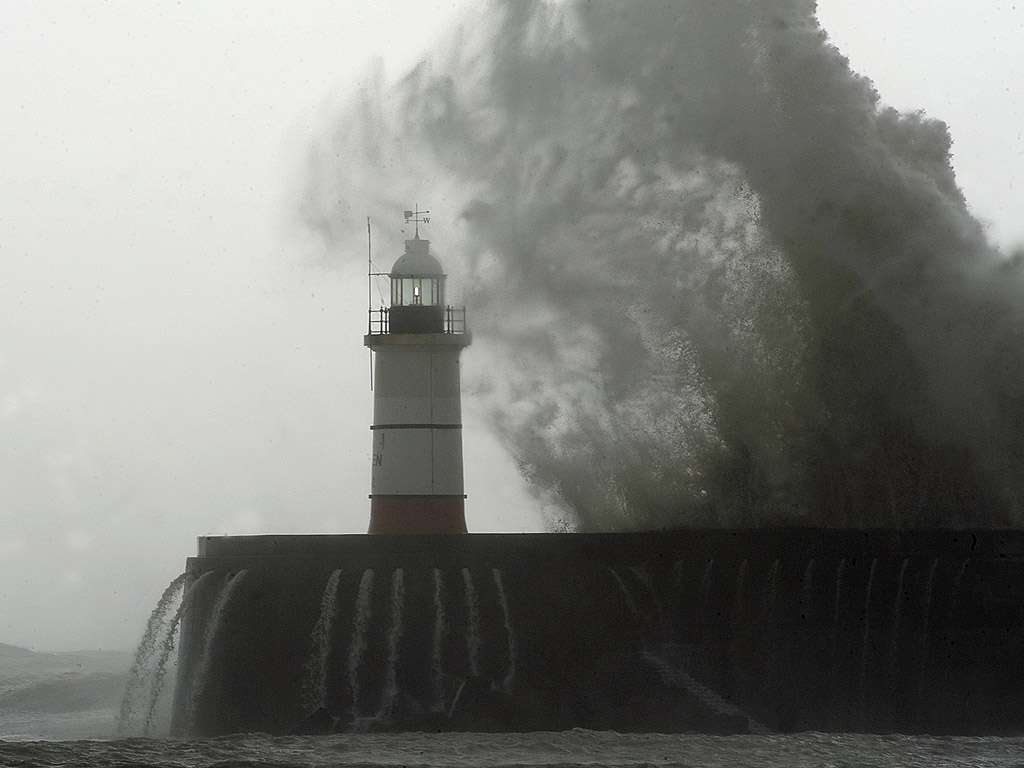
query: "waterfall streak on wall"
894, 635
771, 596
807, 591
771, 622
643, 576
673, 676
510, 670
549, 631
836, 608
866, 644
954, 598
436, 672
922, 664
315, 688
394, 640
705, 591
202, 671
677, 572
834, 657
473, 636
626, 596
359, 626
141, 671
737, 623
167, 648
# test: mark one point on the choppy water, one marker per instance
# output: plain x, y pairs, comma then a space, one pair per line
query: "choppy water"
571, 748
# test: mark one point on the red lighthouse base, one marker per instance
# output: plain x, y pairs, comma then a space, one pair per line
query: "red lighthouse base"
418, 514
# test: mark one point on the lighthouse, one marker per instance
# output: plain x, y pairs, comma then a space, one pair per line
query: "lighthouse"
416, 483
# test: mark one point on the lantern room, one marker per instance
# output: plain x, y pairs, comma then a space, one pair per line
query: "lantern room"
417, 291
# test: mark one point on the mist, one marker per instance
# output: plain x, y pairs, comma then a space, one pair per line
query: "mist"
172, 362
717, 281
183, 294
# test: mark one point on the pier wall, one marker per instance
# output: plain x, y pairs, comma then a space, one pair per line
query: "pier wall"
710, 631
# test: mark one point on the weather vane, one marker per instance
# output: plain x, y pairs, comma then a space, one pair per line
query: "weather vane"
417, 215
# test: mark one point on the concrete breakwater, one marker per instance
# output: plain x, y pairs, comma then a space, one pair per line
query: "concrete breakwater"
713, 631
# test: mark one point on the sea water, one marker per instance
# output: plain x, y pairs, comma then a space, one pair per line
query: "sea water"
569, 748
46, 726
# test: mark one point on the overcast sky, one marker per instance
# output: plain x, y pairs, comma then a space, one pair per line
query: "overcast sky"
174, 358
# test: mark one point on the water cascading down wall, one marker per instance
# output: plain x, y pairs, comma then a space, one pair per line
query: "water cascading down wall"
709, 631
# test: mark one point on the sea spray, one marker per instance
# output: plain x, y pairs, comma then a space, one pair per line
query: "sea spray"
199, 677
357, 647
141, 672
473, 623
314, 689
718, 282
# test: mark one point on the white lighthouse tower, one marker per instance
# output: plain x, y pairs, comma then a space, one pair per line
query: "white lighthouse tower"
416, 483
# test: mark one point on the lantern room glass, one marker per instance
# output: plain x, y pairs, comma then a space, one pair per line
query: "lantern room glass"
415, 291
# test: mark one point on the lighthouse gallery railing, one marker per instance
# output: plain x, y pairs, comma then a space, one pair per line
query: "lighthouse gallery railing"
454, 320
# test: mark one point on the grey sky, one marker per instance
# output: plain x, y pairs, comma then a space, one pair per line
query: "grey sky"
173, 362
